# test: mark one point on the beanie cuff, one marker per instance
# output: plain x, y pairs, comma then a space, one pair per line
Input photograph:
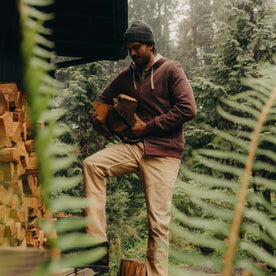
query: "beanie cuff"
139, 37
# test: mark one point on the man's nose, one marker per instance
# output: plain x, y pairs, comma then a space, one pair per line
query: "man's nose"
132, 52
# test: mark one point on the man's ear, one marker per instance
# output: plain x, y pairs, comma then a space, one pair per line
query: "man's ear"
151, 47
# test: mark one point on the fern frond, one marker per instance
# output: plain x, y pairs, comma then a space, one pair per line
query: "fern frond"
232, 195
209, 180
65, 224
68, 203
232, 240
208, 224
54, 157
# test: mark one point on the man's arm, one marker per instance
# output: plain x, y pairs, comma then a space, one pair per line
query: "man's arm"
184, 108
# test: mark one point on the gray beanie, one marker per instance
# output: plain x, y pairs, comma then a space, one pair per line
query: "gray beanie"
139, 32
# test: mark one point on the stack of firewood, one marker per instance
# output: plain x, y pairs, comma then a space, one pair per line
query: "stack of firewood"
20, 204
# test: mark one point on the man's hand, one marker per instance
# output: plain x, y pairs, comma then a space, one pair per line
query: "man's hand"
140, 127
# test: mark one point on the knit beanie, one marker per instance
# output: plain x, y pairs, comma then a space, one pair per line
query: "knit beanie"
139, 32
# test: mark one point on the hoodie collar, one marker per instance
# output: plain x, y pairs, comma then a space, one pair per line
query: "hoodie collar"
133, 66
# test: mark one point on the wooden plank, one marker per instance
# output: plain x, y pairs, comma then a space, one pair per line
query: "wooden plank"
29, 127
32, 204
32, 165
5, 142
23, 213
2, 233
1, 175
29, 145
18, 187
10, 227
15, 207
132, 268
24, 156
33, 184
20, 169
20, 232
4, 195
10, 155
31, 241
18, 115
16, 132
3, 103
4, 213
15, 201
24, 132
77, 272
6, 124
21, 261
9, 172
11, 90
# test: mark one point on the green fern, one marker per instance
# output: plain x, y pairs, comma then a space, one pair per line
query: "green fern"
235, 201
53, 155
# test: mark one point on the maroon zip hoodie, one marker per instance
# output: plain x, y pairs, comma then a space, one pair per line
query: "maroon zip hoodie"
165, 101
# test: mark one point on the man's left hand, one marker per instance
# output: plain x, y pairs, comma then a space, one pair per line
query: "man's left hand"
140, 127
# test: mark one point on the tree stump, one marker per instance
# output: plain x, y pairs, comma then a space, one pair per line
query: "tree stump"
132, 268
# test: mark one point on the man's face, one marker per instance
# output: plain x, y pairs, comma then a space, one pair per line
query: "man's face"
140, 53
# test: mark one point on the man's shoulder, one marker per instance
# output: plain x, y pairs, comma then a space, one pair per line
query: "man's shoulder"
171, 65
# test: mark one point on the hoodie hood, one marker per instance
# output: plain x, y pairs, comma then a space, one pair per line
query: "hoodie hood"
158, 60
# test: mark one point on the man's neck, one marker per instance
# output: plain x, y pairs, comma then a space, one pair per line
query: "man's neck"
150, 63
142, 68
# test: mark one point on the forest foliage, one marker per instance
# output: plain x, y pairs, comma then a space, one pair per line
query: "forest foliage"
224, 202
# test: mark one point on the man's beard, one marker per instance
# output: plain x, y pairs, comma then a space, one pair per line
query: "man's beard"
142, 62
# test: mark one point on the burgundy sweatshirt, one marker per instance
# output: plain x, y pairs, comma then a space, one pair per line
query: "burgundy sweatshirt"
165, 101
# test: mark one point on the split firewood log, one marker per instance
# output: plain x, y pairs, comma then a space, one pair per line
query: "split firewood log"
11, 90
3, 103
119, 117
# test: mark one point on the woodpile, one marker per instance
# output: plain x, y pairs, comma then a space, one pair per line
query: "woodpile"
20, 204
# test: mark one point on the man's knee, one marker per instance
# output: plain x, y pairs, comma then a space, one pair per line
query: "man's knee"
92, 167
90, 162
85, 163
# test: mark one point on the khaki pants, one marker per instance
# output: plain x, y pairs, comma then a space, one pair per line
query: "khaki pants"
159, 175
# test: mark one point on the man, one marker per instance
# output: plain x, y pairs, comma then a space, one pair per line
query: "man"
164, 102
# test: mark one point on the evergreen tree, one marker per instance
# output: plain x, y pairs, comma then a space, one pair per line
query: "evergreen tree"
159, 15
244, 41
196, 33
83, 87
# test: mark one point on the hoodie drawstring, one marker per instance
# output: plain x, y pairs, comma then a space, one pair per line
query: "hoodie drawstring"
151, 79
134, 82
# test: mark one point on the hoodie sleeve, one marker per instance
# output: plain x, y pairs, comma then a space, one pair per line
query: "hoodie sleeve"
184, 108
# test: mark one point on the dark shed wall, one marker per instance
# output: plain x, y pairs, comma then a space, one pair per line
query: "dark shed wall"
89, 29
10, 38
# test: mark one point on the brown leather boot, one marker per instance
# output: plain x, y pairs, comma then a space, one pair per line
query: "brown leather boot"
102, 265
